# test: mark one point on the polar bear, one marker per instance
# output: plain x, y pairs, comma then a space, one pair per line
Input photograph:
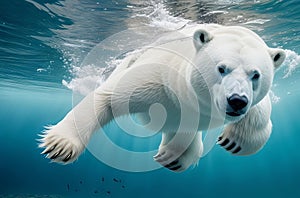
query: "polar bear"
209, 76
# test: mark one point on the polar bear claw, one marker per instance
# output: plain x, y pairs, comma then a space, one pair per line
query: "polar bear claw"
229, 145
59, 148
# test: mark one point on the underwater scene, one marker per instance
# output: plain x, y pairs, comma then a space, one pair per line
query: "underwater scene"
55, 52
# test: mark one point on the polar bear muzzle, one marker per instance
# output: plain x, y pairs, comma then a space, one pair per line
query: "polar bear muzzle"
236, 105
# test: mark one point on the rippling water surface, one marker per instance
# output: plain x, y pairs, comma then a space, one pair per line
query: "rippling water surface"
43, 45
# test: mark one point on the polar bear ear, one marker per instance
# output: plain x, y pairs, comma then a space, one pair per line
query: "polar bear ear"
201, 37
277, 55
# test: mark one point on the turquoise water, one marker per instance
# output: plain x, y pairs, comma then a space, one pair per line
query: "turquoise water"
42, 47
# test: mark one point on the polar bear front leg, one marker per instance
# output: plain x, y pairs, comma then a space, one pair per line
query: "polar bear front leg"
65, 141
250, 134
178, 151
129, 91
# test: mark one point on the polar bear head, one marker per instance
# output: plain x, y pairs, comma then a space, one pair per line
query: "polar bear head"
237, 67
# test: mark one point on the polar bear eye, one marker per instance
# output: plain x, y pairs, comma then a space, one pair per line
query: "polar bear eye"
255, 75
222, 69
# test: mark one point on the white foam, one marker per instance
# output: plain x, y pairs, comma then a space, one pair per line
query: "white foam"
216, 12
291, 63
274, 99
231, 1
161, 18
86, 79
41, 70
257, 21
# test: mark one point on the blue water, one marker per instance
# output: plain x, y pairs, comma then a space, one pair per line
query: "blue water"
42, 46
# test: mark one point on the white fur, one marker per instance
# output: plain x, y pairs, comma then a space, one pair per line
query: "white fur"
180, 72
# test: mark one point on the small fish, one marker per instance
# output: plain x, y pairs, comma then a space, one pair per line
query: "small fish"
115, 180
81, 182
96, 191
123, 186
108, 192
102, 179
68, 187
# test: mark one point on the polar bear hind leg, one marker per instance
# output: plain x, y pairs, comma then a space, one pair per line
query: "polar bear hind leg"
178, 151
250, 134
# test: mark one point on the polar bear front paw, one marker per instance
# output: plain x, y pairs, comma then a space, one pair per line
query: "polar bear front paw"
60, 147
244, 141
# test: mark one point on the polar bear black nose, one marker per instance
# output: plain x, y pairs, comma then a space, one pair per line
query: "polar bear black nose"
237, 102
